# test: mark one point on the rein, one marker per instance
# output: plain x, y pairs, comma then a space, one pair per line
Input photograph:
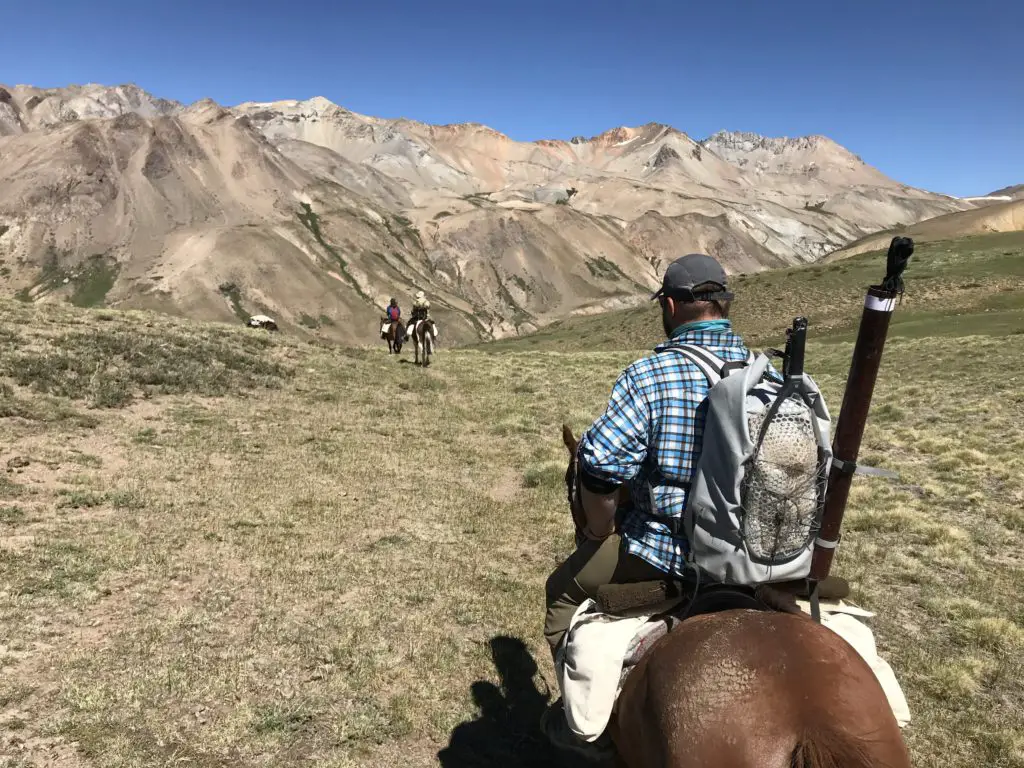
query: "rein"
573, 492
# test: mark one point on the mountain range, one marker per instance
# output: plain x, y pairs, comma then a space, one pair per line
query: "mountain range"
317, 215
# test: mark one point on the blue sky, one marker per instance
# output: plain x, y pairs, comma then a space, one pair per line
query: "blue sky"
933, 96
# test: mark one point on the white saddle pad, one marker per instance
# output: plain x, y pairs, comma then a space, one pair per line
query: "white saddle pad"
841, 619
589, 664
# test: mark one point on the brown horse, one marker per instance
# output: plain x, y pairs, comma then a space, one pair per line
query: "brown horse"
750, 689
395, 336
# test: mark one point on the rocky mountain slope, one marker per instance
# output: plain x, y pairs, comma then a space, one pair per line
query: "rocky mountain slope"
1006, 216
1016, 192
317, 215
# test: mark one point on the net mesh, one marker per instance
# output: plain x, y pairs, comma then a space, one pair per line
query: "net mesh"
780, 488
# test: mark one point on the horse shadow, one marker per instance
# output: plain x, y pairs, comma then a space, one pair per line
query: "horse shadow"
506, 732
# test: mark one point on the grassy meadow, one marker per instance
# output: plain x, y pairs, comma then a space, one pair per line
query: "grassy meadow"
223, 547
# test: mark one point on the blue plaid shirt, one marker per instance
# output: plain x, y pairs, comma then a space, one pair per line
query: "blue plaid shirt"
651, 433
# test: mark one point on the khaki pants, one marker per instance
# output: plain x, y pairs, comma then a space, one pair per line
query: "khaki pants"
593, 564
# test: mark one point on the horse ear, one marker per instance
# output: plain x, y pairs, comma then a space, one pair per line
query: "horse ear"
569, 440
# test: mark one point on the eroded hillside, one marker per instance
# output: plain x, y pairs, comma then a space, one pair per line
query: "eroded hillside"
317, 215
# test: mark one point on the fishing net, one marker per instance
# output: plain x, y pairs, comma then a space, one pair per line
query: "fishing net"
780, 490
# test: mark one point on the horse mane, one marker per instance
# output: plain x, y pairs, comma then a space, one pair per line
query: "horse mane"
834, 747
569, 439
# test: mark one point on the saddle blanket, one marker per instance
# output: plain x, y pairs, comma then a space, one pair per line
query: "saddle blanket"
599, 651
435, 332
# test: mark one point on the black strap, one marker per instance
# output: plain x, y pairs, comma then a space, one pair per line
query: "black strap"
594, 484
853, 468
674, 524
900, 251
714, 296
815, 604
688, 295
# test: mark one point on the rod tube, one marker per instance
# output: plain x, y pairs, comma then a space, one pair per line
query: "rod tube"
860, 385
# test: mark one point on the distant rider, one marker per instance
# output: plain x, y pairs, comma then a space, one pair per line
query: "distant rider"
393, 311
420, 308
392, 315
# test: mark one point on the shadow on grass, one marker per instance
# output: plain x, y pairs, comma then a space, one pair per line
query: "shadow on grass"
506, 732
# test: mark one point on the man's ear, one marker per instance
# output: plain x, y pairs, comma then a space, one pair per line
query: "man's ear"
670, 305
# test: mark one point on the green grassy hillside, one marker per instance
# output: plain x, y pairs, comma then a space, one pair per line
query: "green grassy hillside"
954, 288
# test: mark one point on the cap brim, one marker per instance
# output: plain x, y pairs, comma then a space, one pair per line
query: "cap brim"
721, 295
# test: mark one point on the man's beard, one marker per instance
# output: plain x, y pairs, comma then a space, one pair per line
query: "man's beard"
666, 322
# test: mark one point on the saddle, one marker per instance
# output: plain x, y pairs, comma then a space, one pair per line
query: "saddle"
611, 633
676, 600
679, 600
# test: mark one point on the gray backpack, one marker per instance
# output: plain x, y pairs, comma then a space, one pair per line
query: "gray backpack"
758, 489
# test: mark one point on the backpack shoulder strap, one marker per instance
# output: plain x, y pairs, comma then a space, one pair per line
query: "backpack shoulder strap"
711, 365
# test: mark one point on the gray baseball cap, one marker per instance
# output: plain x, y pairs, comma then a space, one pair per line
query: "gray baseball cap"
687, 272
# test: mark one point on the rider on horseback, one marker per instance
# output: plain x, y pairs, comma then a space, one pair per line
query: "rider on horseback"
393, 310
647, 439
420, 307
391, 315
420, 310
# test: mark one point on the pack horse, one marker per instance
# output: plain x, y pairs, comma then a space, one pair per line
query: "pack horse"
394, 333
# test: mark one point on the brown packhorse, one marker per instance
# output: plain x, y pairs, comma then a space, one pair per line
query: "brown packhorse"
395, 336
747, 688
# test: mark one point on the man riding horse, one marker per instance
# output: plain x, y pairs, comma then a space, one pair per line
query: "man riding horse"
420, 309
648, 441
732, 675
422, 329
392, 314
